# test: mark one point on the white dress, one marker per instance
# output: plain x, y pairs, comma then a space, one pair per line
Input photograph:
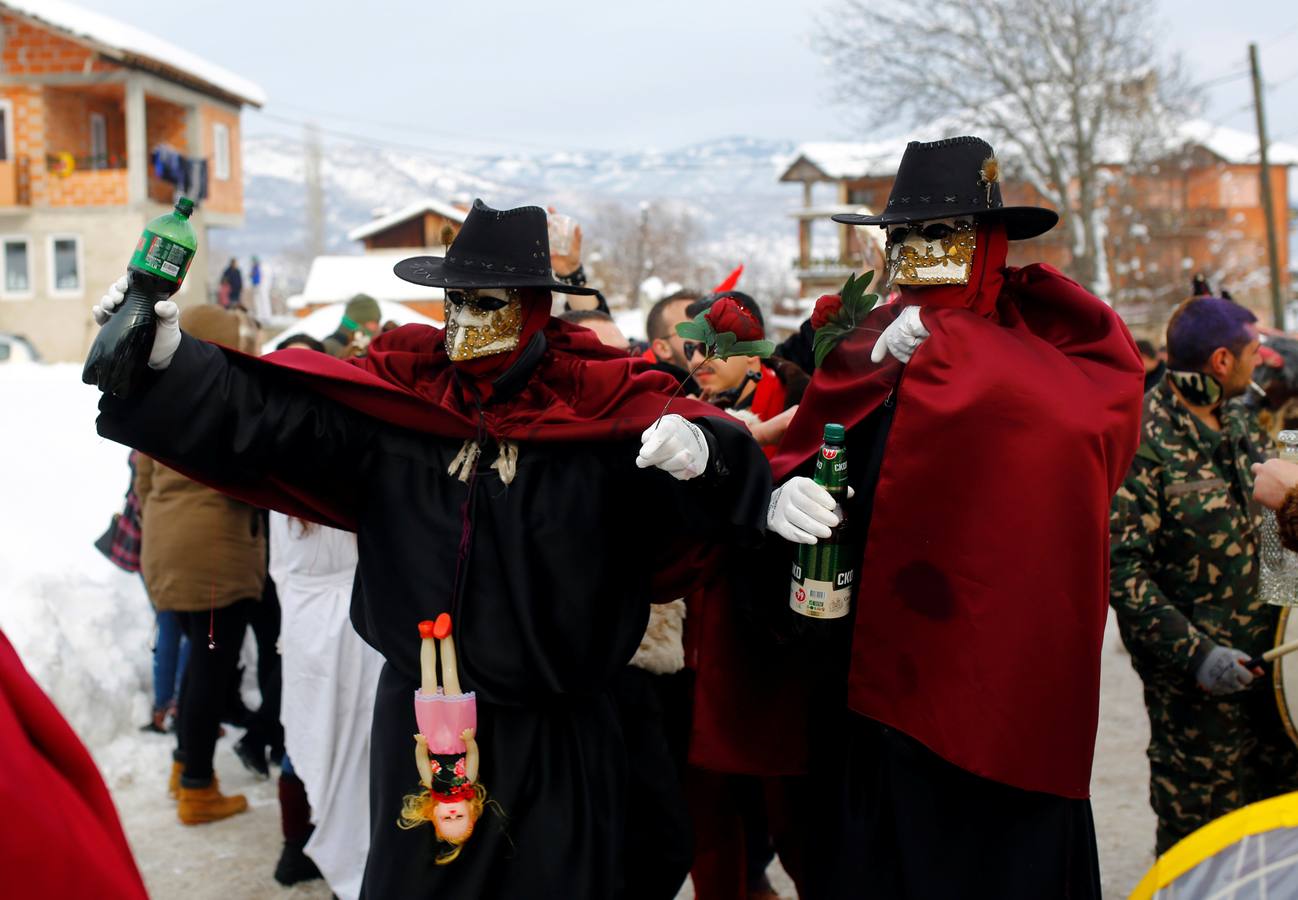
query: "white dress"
330, 677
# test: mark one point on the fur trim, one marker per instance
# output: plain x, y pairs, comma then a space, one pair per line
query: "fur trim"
662, 649
747, 416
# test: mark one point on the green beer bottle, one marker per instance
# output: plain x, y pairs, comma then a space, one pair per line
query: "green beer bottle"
824, 573
120, 353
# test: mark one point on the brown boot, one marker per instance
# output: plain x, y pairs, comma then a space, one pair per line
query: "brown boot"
207, 804
173, 784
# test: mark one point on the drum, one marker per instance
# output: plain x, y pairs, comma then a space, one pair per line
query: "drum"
1285, 673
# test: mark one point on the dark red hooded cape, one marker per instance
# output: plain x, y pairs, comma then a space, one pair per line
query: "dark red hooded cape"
62, 837
983, 588
581, 390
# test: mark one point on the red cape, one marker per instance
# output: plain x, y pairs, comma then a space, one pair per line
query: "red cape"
581, 390
61, 835
983, 588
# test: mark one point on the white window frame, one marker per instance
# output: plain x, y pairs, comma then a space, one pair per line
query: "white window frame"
51, 274
8, 107
221, 151
98, 160
5, 293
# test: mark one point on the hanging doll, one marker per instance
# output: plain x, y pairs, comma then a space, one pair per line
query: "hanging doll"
445, 750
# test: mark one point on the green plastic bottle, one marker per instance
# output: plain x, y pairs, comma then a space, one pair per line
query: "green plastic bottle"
120, 354
824, 574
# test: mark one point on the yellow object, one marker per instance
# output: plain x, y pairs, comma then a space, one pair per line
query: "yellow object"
198, 806
1211, 839
67, 164
173, 784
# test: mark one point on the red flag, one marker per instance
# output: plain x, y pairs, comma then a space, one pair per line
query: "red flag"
731, 280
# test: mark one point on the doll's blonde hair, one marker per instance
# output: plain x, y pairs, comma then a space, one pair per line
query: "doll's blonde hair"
416, 809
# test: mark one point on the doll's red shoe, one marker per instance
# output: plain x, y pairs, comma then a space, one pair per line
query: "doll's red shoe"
426, 628
442, 627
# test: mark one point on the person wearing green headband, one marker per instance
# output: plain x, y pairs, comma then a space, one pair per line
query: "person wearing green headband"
359, 324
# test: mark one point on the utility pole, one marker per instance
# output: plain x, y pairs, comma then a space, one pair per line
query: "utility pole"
1272, 250
315, 239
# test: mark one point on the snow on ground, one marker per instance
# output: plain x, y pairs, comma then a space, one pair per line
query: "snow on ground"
84, 629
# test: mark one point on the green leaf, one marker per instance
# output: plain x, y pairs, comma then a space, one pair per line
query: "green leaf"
855, 301
752, 348
877, 300
725, 340
690, 331
827, 339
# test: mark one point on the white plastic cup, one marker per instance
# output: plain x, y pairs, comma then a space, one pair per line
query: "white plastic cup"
561, 228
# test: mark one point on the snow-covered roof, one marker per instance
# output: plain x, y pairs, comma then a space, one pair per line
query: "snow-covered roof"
339, 278
842, 159
1235, 146
325, 321
120, 41
427, 205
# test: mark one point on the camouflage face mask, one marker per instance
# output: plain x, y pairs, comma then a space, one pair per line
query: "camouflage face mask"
1198, 388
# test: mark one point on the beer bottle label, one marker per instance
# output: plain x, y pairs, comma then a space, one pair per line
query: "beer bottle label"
819, 599
164, 258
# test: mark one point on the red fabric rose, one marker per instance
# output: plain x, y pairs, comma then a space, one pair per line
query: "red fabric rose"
728, 315
827, 307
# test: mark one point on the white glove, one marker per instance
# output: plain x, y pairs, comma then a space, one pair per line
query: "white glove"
675, 446
1222, 671
901, 338
801, 511
166, 339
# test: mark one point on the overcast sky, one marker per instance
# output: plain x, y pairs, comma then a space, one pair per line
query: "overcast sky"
504, 75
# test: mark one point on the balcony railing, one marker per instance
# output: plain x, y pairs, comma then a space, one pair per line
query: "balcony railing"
64, 164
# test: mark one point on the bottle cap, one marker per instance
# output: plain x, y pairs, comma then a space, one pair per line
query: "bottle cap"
835, 434
185, 207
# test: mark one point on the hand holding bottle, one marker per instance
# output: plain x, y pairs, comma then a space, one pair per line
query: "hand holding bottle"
801, 511
166, 338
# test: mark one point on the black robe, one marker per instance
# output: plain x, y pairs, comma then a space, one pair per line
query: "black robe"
554, 604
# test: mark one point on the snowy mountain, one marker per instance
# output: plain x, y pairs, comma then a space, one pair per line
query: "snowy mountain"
729, 185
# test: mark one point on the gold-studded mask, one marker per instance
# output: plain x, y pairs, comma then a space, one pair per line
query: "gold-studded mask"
482, 322
938, 251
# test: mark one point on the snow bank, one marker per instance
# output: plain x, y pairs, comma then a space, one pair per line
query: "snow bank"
82, 627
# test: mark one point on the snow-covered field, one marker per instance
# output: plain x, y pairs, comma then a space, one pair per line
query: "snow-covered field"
84, 628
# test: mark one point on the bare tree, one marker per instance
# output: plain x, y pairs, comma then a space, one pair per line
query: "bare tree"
1065, 89
632, 244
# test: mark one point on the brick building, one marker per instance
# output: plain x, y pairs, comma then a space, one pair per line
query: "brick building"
84, 102
1198, 209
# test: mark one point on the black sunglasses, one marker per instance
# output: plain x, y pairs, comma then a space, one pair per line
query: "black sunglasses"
934, 231
486, 304
689, 348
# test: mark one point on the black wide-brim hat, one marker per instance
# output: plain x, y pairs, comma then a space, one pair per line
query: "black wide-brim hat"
957, 176
496, 248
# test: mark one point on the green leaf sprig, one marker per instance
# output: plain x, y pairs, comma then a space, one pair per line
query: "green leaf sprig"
856, 304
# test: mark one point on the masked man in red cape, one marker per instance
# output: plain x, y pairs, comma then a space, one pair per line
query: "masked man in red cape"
992, 413
490, 471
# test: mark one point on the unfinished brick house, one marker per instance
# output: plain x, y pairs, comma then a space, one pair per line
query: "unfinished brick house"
102, 127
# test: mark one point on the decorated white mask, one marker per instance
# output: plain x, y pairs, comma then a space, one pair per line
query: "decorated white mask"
482, 323
937, 251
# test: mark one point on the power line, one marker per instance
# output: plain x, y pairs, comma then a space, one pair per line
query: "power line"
413, 129
1287, 33
1221, 79
427, 150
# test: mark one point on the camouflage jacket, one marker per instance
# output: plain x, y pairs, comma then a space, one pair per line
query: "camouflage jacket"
1183, 565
